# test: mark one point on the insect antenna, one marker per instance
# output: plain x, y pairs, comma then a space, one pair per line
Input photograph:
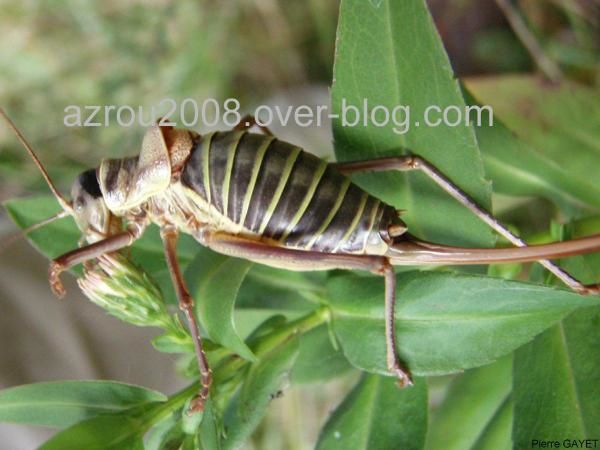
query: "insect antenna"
66, 205
13, 237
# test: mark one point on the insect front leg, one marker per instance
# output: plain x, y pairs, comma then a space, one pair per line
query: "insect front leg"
306, 260
169, 237
411, 162
91, 251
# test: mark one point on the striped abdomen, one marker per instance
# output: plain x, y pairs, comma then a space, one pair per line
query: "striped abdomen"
276, 190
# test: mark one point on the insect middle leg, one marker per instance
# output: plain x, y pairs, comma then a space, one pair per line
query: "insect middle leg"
169, 237
306, 260
411, 162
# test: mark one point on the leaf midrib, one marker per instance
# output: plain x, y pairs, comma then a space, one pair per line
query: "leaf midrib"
409, 181
5, 405
459, 318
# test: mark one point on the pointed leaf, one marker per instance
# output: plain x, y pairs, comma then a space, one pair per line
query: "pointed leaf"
214, 282
389, 53
209, 434
116, 432
63, 403
446, 322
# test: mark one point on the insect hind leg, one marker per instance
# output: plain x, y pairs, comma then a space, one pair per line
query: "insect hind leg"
305, 260
394, 363
412, 162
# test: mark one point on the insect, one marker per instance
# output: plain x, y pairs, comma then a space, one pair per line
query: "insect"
252, 196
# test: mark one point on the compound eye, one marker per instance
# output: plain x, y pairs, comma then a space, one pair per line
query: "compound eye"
79, 204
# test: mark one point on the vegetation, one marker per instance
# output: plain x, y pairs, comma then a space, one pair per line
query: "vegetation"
521, 349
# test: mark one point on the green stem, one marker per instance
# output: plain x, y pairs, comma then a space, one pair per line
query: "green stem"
298, 326
266, 344
167, 408
232, 365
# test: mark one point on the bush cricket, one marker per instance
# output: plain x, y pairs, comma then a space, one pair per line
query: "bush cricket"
250, 195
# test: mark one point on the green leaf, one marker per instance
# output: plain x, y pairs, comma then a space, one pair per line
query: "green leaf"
246, 319
189, 443
51, 240
269, 288
446, 322
581, 338
209, 434
171, 343
389, 53
515, 168
166, 431
470, 407
190, 423
264, 381
318, 360
497, 435
559, 374
171, 439
116, 432
378, 415
61, 404
214, 281
559, 122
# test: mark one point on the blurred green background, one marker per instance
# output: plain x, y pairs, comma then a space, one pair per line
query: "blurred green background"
76, 52
60, 53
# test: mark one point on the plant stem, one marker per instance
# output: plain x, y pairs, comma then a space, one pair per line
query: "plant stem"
174, 402
545, 64
266, 344
233, 364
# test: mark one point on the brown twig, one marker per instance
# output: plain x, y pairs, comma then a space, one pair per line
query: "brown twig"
545, 64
